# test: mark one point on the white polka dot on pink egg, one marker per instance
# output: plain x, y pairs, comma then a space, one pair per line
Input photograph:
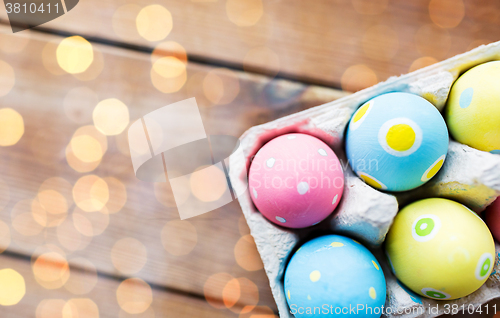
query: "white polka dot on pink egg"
296, 180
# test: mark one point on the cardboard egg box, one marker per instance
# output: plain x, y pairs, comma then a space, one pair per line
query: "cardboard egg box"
469, 176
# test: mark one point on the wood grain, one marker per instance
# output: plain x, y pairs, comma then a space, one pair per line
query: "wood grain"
38, 95
314, 41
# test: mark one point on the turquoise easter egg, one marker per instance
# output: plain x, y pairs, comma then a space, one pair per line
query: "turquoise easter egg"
334, 275
397, 141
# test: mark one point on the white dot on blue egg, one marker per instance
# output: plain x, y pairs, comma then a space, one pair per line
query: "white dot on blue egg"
466, 97
280, 219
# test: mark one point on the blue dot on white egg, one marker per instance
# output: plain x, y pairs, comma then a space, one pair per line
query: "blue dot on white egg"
397, 141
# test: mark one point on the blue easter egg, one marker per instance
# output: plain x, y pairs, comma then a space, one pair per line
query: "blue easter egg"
334, 275
397, 141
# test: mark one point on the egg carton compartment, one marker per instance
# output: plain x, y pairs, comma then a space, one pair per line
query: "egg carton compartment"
469, 176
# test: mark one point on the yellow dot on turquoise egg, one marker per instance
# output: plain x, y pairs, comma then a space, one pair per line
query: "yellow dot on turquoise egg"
400, 137
309, 297
375, 264
289, 295
371, 180
433, 169
336, 244
360, 115
372, 293
315, 276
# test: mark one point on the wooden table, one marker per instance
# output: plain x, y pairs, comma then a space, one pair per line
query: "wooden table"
273, 58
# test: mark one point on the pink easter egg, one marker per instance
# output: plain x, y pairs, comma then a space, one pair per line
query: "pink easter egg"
493, 219
296, 180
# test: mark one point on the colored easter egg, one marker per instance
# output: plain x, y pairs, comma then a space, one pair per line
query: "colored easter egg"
331, 274
473, 108
440, 249
493, 219
396, 141
296, 180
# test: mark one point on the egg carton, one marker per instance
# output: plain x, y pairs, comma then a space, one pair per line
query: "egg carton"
469, 176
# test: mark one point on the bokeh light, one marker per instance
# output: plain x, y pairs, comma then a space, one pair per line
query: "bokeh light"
7, 79
381, 43
169, 48
77, 164
134, 295
53, 201
50, 308
79, 308
111, 116
46, 145
83, 280
231, 293
154, 22
117, 195
208, 184
22, 219
246, 254
179, 237
221, 86
70, 238
262, 59
240, 290
91, 193
129, 255
422, 62
149, 313
94, 70
168, 74
370, 7
51, 270
357, 77
432, 40
244, 13
13, 287
74, 54
11, 125
214, 287
13, 43
447, 13
123, 22
78, 104
90, 223
88, 144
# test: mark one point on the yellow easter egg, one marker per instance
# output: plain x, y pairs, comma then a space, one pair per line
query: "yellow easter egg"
473, 108
440, 249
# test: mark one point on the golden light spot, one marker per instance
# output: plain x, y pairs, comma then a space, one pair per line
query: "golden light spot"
240, 290
375, 264
432, 40
373, 293
50, 308
447, 13
123, 19
86, 148
94, 70
246, 254
208, 183
361, 112
13, 287
52, 201
4, 194
168, 74
22, 219
336, 244
117, 195
91, 193
134, 295
77, 164
381, 43
231, 293
243, 226
213, 288
4, 236
7, 81
179, 237
111, 117
129, 255
221, 86
169, 49
90, 223
11, 124
46, 145
74, 54
13, 43
371, 181
422, 62
83, 307
357, 77
49, 59
262, 59
51, 270
244, 13
154, 22
400, 137
83, 280
370, 7
315, 276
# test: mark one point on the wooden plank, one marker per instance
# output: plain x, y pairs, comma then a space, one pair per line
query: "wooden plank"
103, 298
42, 99
313, 41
